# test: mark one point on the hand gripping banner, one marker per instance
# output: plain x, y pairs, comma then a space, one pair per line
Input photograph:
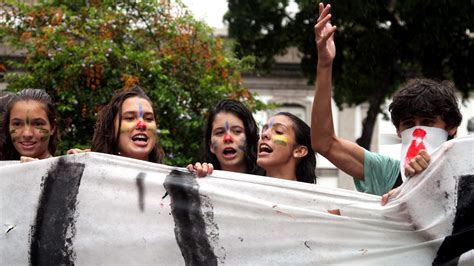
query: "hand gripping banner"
98, 209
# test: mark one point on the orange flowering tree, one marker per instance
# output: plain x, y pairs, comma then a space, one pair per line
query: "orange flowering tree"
82, 54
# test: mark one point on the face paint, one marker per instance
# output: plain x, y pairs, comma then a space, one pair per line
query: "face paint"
214, 144
270, 125
126, 127
227, 137
13, 135
45, 132
141, 125
140, 109
281, 140
30, 129
243, 145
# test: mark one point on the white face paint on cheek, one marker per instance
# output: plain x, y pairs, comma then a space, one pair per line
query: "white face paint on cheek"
242, 144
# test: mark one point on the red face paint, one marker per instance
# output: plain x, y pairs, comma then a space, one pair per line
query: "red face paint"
227, 137
416, 144
141, 125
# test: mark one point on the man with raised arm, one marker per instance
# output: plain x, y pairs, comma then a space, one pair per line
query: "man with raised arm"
421, 102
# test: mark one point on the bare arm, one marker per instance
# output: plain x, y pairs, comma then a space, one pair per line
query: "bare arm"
345, 155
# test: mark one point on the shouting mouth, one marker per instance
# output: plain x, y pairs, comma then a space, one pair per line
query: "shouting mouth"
264, 149
140, 139
229, 152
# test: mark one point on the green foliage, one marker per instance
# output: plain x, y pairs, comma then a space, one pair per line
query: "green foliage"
83, 54
379, 44
259, 29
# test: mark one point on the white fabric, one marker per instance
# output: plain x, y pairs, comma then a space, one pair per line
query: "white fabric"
433, 139
249, 220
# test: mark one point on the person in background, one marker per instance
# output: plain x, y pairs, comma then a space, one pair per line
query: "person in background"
30, 126
284, 149
126, 126
230, 141
421, 102
5, 97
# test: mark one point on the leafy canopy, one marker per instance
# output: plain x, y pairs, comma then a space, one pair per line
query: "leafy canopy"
83, 54
380, 44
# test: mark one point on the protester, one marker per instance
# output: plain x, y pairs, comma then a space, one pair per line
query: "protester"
230, 140
127, 127
284, 149
29, 126
421, 102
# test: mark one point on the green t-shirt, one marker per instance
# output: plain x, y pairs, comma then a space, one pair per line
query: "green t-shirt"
380, 174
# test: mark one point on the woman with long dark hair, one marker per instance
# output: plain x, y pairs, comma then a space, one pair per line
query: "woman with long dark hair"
127, 127
29, 126
230, 140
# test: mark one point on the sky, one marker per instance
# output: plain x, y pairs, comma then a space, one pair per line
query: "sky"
211, 11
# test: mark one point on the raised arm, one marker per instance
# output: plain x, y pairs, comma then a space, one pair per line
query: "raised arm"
345, 155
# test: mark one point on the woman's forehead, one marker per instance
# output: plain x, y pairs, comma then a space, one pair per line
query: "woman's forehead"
279, 120
135, 104
30, 107
223, 117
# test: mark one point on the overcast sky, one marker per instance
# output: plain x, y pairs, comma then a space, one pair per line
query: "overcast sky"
211, 11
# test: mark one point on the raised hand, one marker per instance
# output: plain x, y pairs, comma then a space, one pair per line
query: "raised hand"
324, 32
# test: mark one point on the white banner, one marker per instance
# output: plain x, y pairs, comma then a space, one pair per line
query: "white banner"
97, 209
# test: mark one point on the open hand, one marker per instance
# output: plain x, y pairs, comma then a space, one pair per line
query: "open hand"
325, 36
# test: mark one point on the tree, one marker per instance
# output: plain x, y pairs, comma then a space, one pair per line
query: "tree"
259, 27
380, 44
82, 52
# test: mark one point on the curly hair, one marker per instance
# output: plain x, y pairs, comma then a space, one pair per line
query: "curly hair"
426, 98
251, 133
106, 140
39, 95
306, 167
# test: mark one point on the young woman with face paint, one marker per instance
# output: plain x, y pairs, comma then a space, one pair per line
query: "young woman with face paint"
127, 127
230, 141
29, 126
284, 149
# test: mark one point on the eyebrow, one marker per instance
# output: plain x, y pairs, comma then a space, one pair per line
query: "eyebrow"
275, 124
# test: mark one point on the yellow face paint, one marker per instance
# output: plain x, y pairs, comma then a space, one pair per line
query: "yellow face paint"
279, 139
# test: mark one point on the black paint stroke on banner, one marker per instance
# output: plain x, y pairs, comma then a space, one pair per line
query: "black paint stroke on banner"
140, 181
190, 227
461, 239
54, 228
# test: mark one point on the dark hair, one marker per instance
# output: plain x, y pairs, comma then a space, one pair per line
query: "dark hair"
306, 167
105, 138
425, 97
251, 134
5, 97
9, 151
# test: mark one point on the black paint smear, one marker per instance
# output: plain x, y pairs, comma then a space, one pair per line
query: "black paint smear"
461, 239
190, 228
54, 228
141, 191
